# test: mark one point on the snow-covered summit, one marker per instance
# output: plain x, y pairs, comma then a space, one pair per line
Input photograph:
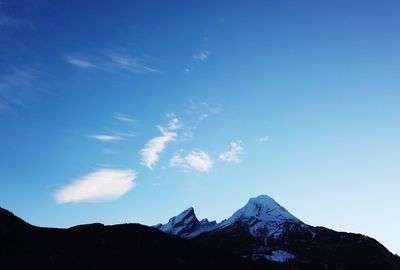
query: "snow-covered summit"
263, 217
263, 208
186, 215
186, 225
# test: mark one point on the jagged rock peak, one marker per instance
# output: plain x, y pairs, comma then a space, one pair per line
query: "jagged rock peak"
186, 225
262, 216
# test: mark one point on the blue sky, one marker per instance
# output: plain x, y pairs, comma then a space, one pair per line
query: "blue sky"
132, 112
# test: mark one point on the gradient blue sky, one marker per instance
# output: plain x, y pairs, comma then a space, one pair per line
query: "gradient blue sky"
308, 92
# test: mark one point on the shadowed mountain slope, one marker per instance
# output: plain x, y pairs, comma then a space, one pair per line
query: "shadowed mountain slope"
95, 246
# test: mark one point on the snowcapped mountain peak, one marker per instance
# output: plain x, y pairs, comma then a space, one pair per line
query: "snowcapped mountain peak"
180, 224
264, 208
190, 209
263, 217
186, 214
186, 225
256, 205
262, 199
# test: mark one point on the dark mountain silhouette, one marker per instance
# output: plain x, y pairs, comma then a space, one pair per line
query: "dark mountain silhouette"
95, 246
261, 235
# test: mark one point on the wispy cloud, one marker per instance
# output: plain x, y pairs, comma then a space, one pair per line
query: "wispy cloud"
106, 138
153, 148
129, 63
16, 87
202, 56
98, 186
233, 154
202, 110
14, 23
110, 62
195, 115
263, 139
173, 122
150, 153
80, 62
123, 117
186, 125
196, 160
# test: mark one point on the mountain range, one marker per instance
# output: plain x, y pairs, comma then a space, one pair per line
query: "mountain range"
261, 235
265, 230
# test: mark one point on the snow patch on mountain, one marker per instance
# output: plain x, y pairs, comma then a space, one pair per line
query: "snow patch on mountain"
280, 256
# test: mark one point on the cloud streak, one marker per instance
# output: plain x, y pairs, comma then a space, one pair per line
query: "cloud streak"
196, 160
195, 115
174, 122
123, 118
202, 56
16, 87
79, 62
263, 139
153, 148
110, 62
129, 63
107, 138
99, 186
8, 22
232, 155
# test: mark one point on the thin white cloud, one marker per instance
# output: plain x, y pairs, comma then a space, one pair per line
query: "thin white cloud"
110, 62
202, 110
79, 62
203, 116
187, 70
153, 148
197, 160
232, 155
202, 56
174, 122
9, 22
195, 115
178, 161
263, 139
129, 63
123, 117
17, 87
107, 138
99, 186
